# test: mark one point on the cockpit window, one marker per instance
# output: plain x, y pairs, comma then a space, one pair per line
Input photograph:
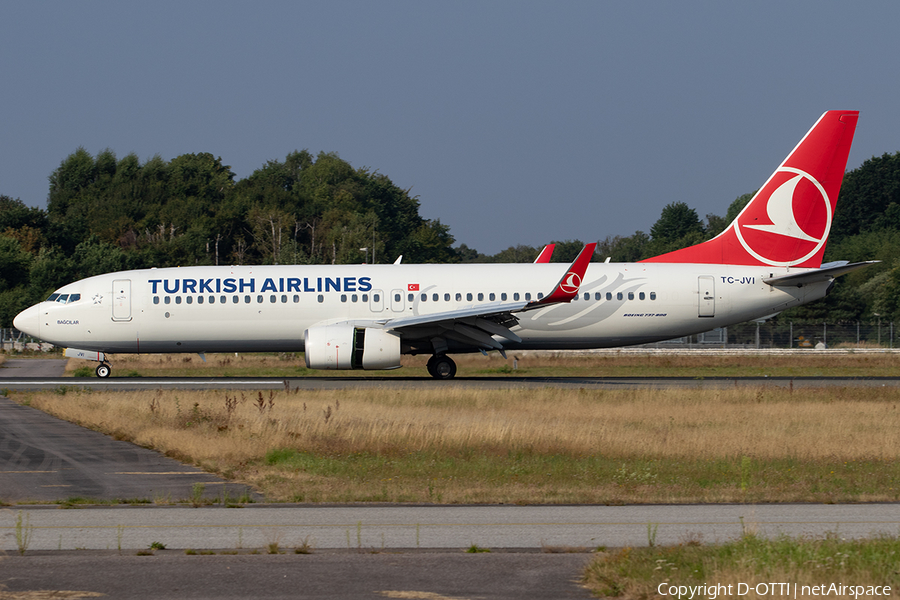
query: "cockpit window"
64, 298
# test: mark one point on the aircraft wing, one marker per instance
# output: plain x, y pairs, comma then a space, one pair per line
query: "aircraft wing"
476, 325
826, 273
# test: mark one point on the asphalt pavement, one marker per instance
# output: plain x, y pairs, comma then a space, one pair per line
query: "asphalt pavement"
367, 575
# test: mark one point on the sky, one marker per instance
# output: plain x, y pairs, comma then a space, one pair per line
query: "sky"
513, 122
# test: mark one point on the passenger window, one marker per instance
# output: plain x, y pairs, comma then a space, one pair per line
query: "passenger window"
609, 295
155, 299
653, 295
354, 298
619, 296
528, 296
631, 295
480, 296
321, 298
469, 297
246, 299
273, 299
598, 296
424, 297
503, 296
235, 299
435, 297
587, 295
190, 299
493, 296
411, 297
642, 295
365, 297
458, 297
296, 298
343, 297
212, 299
516, 296
397, 297
259, 299
446, 297
167, 300
540, 295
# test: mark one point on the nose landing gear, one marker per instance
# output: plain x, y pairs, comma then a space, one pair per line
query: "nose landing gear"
103, 370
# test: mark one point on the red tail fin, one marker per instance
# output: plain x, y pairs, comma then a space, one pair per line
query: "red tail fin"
787, 221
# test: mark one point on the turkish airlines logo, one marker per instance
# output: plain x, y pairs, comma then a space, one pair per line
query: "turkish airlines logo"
571, 283
788, 221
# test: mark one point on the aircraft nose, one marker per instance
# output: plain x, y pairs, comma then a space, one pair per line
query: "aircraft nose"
29, 321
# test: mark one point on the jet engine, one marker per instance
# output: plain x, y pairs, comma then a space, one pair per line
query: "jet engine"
349, 347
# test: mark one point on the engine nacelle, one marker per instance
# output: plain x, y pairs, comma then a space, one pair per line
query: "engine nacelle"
348, 347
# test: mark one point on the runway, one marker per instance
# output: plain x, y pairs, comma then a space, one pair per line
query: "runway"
362, 383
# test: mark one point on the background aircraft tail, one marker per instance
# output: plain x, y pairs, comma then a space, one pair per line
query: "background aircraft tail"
787, 222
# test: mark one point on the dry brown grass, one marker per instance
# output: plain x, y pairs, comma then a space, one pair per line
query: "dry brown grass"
459, 445
685, 423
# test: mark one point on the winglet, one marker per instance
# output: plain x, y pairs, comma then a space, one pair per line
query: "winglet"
567, 288
546, 253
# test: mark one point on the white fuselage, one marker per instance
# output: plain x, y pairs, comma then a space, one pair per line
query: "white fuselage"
268, 308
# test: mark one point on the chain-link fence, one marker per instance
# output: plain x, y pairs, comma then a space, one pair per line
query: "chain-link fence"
14, 340
790, 335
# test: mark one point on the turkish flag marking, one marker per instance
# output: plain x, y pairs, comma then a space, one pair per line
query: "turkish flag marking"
413, 287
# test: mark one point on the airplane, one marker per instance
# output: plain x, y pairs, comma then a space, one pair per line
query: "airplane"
367, 316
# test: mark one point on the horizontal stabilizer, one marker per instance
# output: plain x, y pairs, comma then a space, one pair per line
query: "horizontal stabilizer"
818, 275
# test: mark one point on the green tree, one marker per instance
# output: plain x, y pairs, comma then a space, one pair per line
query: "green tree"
676, 221
513, 254
14, 263
632, 248
869, 199
49, 270
14, 214
430, 243
735, 208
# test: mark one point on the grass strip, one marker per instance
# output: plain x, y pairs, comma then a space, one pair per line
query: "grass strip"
750, 567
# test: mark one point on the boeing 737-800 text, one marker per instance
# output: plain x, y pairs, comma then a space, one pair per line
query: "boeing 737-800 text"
367, 316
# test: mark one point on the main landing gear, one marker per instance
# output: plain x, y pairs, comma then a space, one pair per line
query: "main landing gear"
103, 370
441, 366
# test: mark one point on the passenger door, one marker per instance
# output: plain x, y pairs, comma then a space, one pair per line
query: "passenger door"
121, 310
